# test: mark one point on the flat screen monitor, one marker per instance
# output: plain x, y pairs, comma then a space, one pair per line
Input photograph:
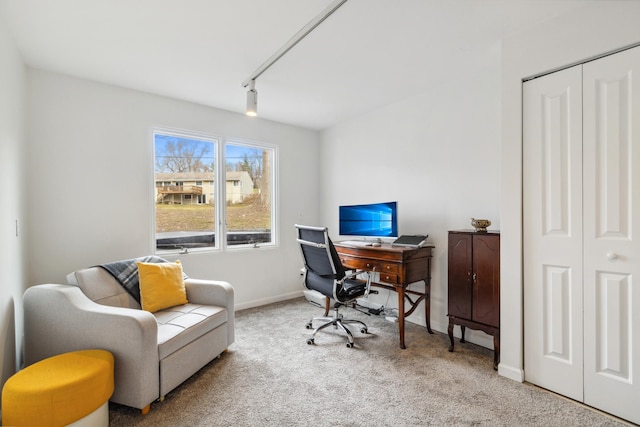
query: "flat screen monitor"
371, 220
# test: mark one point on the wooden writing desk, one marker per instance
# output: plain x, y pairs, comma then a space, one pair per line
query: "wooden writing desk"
398, 268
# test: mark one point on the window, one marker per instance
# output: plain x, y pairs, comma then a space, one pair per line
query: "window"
192, 208
249, 189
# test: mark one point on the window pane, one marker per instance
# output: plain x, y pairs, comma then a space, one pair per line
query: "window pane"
249, 193
184, 192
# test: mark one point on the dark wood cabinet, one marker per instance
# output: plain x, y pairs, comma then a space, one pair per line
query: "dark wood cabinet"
474, 284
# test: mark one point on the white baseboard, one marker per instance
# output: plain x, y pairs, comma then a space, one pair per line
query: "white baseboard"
270, 300
510, 372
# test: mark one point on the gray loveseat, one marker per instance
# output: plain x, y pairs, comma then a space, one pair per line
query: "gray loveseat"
154, 353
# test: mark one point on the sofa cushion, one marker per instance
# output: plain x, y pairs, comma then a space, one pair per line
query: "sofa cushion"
100, 287
180, 325
161, 285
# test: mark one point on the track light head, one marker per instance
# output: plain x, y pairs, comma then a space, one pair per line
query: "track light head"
252, 99
252, 94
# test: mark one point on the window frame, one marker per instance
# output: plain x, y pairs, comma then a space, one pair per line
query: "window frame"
219, 185
274, 193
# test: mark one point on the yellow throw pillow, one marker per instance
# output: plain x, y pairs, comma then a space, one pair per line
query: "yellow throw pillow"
161, 285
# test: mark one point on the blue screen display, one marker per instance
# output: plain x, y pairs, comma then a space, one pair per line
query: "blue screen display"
372, 220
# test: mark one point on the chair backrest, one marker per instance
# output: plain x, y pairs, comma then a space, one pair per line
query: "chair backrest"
321, 260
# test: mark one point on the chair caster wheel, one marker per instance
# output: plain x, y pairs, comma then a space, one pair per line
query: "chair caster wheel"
310, 341
364, 331
308, 325
349, 345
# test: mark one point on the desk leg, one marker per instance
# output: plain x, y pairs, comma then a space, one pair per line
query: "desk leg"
427, 305
400, 291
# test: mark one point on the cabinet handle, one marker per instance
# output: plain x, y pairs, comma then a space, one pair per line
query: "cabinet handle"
611, 256
475, 276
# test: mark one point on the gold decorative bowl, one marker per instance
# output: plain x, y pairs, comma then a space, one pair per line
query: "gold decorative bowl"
480, 224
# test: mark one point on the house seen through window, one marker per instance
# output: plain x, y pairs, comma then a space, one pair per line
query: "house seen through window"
192, 208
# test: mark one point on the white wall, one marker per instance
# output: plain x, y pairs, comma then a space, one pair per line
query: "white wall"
12, 286
593, 30
90, 178
436, 154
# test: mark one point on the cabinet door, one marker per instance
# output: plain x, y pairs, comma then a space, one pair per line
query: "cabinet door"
486, 279
460, 264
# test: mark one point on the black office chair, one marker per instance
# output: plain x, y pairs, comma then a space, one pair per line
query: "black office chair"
324, 273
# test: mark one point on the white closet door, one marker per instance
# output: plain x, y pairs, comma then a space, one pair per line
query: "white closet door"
611, 246
552, 221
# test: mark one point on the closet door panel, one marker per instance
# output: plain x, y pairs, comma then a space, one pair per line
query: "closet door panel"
552, 218
611, 248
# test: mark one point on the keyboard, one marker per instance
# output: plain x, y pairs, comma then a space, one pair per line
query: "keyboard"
359, 243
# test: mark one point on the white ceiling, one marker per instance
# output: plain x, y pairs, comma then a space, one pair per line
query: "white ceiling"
368, 54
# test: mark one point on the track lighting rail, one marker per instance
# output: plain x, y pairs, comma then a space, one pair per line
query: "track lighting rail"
294, 40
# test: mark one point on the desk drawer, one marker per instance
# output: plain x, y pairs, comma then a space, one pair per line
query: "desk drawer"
389, 272
388, 277
388, 268
359, 264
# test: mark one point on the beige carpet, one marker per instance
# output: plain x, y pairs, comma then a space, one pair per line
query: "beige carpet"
271, 377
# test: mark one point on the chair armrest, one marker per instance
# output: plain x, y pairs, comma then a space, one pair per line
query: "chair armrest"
214, 292
60, 318
356, 273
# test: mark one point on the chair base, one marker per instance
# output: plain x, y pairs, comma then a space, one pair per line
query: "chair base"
338, 322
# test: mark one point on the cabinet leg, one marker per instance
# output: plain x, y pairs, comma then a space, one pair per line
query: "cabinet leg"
462, 329
450, 331
496, 350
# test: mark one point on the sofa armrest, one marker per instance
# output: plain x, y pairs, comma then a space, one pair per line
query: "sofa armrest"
209, 292
60, 318
214, 292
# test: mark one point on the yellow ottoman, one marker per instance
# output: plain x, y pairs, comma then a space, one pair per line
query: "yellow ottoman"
60, 390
